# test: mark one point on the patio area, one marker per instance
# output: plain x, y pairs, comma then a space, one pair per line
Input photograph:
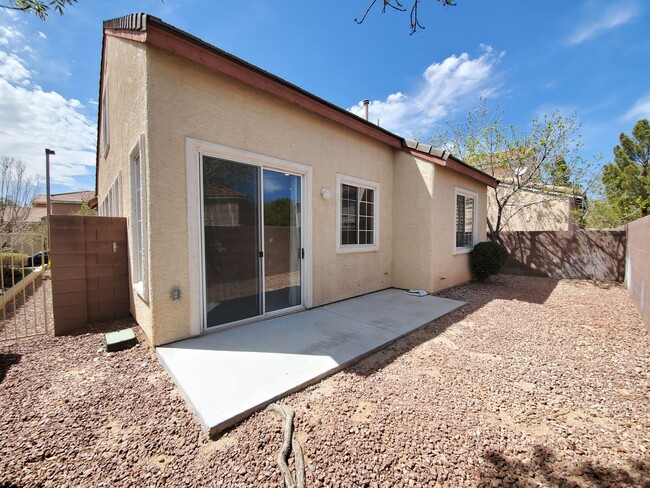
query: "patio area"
227, 375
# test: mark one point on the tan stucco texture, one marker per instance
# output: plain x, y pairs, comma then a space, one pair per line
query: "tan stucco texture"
125, 76
184, 100
533, 211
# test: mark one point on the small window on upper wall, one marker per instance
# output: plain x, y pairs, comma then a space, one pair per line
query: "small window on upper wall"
357, 215
465, 237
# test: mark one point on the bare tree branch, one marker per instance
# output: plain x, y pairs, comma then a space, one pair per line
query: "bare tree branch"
17, 191
397, 5
523, 160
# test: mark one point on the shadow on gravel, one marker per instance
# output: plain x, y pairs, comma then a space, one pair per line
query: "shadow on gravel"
476, 295
544, 469
6, 362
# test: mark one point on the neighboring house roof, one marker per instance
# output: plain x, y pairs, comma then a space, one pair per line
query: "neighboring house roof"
145, 28
38, 210
36, 214
70, 197
214, 190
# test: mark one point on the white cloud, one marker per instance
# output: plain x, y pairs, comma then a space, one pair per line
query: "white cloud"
34, 118
447, 87
42, 35
608, 18
9, 34
12, 68
640, 109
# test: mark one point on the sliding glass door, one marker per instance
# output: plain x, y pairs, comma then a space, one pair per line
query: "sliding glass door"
282, 245
231, 216
252, 240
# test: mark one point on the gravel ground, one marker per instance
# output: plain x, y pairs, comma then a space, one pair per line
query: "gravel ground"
536, 382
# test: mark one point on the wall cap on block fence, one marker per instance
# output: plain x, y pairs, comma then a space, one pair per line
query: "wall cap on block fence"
120, 340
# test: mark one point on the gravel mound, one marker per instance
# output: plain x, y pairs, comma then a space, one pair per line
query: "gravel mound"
536, 382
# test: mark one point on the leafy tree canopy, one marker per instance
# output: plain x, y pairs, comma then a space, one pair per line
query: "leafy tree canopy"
626, 180
534, 165
42, 8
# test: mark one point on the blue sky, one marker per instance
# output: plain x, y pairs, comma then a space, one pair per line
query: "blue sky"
530, 57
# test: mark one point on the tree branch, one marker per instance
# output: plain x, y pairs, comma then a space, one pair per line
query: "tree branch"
397, 5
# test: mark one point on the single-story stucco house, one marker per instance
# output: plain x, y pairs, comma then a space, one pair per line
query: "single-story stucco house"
248, 197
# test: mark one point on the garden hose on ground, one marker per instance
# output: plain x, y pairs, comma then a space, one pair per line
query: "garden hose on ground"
290, 443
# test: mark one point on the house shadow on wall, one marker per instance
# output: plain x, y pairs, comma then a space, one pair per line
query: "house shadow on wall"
590, 255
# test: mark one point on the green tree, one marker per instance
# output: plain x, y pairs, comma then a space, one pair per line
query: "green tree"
528, 163
626, 180
278, 212
39, 7
85, 209
560, 173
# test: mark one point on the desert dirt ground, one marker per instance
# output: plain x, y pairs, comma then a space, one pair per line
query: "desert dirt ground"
535, 382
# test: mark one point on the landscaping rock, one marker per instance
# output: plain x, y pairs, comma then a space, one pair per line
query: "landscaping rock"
535, 382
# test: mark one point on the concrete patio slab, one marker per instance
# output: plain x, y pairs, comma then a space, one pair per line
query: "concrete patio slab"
227, 375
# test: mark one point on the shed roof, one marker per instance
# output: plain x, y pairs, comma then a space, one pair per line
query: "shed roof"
149, 29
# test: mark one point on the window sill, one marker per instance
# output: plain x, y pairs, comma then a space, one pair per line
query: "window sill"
463, 250
138, 289
355, 248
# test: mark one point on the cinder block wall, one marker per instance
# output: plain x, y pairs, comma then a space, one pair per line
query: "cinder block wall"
637, 266
90, 275
583, 255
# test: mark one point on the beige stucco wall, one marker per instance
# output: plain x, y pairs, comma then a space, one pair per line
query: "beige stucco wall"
125, 69
534, 211
424, 224
413, 215
448, 268
170, 99
186, 100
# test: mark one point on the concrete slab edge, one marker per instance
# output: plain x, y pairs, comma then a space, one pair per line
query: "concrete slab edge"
212, 431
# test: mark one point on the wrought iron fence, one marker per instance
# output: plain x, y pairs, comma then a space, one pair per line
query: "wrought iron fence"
25, 288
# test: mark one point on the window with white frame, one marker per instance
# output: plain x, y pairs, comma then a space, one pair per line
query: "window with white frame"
111, 206
465, 219
138, 217
357, 214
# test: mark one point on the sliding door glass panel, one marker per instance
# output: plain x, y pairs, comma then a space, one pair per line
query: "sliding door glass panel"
282, 240
232, 244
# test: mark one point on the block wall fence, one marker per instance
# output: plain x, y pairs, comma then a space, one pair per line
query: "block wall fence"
586, 255
90, 273
637, 266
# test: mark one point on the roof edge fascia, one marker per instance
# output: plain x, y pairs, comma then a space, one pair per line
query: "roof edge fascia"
454, 164
153, 31
159, 34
